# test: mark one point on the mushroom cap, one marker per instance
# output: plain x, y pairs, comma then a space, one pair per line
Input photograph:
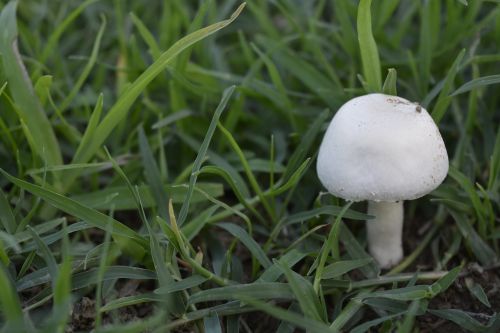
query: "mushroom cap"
382, 148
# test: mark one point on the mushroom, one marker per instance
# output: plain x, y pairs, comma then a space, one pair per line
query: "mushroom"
384, 149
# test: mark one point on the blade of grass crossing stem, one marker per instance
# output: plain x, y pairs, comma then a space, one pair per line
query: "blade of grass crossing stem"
202, 152
368, 48
129, 240
152, 174
29, 110
304, 293
288, 316
331, 244
390, 83
121, 108
444, 99
87, 69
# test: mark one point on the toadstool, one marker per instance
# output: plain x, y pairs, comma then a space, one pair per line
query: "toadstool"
383, 149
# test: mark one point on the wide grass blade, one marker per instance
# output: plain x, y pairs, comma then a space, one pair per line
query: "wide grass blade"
368, 48
261, 290
30, 112
341, 267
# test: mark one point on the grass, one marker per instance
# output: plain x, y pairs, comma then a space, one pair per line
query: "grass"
158, 166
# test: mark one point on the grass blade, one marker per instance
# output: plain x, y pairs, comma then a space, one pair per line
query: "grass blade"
211, 324
368, 48
202, 152
38, 127
390, 83
261, 290
444, 99
477, 83
249, 242
6, 214
304, 293
11, 306
341, 267
152, 174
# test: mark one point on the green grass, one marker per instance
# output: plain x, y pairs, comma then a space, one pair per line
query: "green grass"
158, 161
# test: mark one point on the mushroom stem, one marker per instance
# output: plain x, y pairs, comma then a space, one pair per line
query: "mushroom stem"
385, 232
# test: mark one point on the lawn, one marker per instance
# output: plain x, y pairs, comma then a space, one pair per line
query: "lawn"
158, 166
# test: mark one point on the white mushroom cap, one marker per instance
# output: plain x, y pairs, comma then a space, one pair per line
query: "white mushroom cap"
382, 148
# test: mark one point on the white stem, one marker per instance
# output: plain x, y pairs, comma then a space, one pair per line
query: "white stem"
385, 232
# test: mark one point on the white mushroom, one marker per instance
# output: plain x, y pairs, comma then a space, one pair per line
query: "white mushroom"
384, 149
